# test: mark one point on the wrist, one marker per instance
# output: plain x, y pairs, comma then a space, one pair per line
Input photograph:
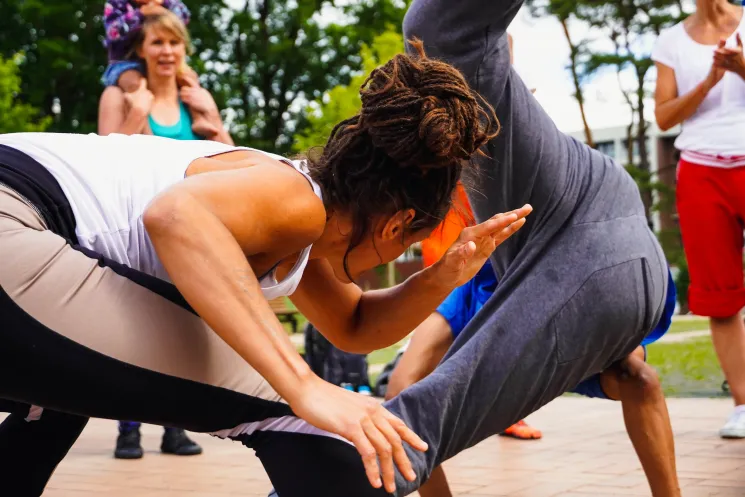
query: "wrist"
705, 87
302, 379
435, 280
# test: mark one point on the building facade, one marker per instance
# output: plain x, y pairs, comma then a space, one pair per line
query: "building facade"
663, 161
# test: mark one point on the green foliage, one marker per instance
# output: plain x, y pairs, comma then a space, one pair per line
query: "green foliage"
262, 59
16, 116
343, 101
267, 60
682, 282
687, 369
63, 58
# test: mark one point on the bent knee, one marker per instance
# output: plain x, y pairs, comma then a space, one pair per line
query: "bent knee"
643, 383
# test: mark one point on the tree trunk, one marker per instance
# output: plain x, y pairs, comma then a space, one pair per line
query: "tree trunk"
641, 141
577, 85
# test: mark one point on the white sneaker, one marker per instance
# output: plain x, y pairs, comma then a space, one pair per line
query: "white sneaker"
735, 426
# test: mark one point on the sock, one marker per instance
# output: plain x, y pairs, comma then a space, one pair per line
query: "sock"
740, 410
127, 426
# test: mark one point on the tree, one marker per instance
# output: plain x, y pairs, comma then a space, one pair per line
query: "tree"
63, 58
628, 24
563, 10
272, 57
262, 59
343, 101
16, 116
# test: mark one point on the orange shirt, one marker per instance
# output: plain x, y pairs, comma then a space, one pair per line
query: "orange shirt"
458, 217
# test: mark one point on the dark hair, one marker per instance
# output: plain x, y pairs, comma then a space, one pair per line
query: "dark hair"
419, 125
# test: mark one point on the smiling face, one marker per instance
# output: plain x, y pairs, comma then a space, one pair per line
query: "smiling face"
163, 45
162, 51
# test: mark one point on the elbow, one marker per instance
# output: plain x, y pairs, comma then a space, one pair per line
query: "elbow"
350, 343
662, 121
163, 214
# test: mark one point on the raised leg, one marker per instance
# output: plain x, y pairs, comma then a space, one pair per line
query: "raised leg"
530, 344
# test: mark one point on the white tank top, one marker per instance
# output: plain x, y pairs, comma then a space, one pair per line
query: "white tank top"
110, 180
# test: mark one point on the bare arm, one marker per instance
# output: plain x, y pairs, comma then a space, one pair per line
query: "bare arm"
429, 344
360, 321
202, 229
200, 99
202, 237
365, 321
223, 136
114, 116
671, 109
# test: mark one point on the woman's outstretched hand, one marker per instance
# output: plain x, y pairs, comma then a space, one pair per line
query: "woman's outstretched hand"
475, 244
375, 432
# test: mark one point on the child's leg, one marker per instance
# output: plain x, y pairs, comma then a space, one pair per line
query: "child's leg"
126, 74
200, 123
129, 80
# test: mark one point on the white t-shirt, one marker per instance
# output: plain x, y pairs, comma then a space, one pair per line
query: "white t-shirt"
110, 180
717, 128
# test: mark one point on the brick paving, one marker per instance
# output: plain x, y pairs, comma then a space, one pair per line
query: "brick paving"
584, 453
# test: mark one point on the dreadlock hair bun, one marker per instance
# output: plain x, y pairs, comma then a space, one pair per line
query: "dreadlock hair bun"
419, 125
422, 113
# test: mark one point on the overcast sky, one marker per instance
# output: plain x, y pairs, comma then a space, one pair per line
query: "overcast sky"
541, 58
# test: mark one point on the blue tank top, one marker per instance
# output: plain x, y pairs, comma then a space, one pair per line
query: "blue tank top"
179, 131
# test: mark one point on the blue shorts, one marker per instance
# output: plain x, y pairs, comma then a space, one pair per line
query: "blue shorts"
465, 301
115, 69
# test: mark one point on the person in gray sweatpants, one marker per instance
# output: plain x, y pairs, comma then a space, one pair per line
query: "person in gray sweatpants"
581, 284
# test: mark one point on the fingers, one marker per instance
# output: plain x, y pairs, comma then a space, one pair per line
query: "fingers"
397, 449
508, 231
384, 450
369, 459
143, 84
500, 221
406, 434
187, 95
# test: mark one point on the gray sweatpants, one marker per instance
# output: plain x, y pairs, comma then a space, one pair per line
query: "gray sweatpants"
579, 286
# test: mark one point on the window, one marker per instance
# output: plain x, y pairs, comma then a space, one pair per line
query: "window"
607, 148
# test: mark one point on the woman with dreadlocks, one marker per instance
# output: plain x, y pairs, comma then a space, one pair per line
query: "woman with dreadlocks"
178, 245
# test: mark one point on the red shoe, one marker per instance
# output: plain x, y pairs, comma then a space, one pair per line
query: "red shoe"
523, 431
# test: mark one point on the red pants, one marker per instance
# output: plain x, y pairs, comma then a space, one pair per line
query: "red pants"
711, 206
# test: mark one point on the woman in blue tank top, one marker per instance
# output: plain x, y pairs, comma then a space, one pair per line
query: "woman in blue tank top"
161, 104
159, 107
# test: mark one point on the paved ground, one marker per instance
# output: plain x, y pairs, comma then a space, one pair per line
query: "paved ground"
584, 453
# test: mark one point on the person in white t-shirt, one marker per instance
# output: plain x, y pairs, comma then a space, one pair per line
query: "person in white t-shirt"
701, 84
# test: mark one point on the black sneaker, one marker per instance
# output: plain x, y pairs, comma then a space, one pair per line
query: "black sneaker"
176, 442
128, 445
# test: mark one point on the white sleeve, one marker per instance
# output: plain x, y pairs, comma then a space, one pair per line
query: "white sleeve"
664, 50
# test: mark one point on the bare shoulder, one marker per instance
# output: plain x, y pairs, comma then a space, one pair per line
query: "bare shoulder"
297, 207
279, 201
112, 96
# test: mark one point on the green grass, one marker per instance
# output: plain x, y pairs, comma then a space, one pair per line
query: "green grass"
681, 325
687, 369
384, 356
